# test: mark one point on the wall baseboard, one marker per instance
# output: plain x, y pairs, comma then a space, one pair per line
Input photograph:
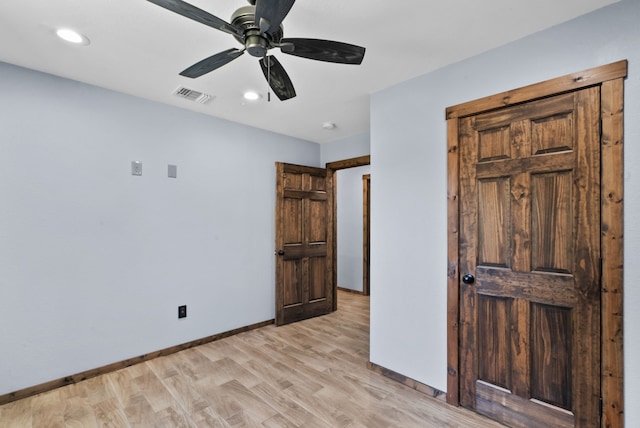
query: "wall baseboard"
413, 384
68, 380
348, 290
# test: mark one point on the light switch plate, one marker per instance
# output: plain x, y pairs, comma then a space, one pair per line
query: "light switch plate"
173, 171
136, 168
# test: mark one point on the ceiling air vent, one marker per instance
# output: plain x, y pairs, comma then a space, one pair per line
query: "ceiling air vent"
192, 95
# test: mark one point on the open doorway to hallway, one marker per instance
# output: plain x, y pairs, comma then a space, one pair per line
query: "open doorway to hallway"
352, 213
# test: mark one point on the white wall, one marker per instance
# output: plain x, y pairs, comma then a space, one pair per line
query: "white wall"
94, 261
346, 148
349, 201
408, 150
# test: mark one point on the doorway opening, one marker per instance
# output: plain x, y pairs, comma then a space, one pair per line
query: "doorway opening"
352, 230
332, 169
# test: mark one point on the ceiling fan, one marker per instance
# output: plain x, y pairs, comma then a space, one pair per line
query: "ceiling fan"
258, 28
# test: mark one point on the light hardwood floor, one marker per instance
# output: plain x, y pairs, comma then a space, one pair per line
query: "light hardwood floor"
309, 374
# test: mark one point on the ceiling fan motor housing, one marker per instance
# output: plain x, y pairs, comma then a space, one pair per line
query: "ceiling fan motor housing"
256, 42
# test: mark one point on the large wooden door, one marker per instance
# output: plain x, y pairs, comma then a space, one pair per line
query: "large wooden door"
303, 261
530, 262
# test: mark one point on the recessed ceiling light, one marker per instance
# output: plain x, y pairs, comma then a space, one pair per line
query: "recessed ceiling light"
252, 96
72, 36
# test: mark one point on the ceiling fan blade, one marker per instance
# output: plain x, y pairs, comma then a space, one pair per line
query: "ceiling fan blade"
211, 63
323, 50
271, 13
185, 9
278, 78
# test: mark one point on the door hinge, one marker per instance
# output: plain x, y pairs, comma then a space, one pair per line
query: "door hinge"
601, 408
600, 273
600, 132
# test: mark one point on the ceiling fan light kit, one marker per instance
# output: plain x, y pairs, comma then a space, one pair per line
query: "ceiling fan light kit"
258, 28
251, 96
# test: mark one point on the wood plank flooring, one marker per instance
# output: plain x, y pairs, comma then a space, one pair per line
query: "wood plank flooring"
309, 374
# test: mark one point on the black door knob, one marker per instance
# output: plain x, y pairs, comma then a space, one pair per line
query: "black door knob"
281, 252
468, 279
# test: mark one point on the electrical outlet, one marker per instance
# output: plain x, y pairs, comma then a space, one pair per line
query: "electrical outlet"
182, 311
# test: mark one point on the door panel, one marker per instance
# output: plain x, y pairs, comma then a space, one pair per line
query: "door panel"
493, 222
317, 278
551, 222
494, 344
530, 216
292, 282
551, 337
303, 286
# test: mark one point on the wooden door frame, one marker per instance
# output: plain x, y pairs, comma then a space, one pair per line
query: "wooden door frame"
366, 232
610, 78
332, 168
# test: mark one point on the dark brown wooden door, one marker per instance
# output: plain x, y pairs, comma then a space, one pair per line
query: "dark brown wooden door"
530, 236
303, 262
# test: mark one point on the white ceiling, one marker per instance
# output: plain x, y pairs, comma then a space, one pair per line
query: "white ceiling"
139, 48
